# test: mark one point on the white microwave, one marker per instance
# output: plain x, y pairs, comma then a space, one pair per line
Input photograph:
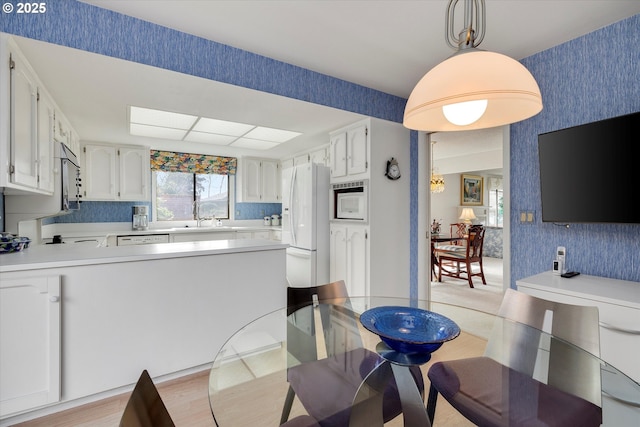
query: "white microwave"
350, 201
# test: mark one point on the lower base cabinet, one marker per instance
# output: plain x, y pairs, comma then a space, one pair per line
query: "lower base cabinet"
349, 257
29, 343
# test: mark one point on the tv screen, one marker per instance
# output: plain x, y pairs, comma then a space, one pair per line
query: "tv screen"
591, 173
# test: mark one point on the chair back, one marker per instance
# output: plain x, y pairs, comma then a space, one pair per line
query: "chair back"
475, 242
302, 297
457, 229
567, 368
145, 407
338, 325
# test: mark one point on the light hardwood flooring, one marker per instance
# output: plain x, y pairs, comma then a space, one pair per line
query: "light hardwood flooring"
187, 399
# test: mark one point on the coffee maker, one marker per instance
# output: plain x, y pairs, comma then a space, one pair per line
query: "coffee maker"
140, 221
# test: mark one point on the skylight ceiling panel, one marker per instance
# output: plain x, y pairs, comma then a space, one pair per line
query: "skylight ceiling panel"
255, 144
166, 119
209, 138
156, 131
222, 127
270, 134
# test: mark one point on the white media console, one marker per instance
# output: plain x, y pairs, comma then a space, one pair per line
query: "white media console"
618, 303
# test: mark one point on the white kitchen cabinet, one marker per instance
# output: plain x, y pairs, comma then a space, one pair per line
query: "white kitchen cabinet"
260, 234
46, 118
29, 342
383, 264
349, 257
259, 180
348, 152
28, 123
203, 236
319, 156
301, 159
23, 112
116, 172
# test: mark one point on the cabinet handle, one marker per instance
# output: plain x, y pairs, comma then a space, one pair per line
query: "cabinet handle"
54, 298
619, 329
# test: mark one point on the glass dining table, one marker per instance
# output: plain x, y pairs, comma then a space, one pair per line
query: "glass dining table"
249, 381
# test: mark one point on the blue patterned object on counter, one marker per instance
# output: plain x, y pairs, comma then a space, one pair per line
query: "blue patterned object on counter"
10, 243
410, 330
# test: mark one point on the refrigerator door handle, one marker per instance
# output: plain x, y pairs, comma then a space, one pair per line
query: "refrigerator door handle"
292, 212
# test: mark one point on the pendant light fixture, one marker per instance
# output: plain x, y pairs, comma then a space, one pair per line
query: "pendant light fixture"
473, 88
437, 180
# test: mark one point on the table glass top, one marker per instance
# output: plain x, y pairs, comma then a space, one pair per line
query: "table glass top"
249, 377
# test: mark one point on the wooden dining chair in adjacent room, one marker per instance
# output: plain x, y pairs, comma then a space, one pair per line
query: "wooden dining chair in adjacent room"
509, 386
326, 385
145, 407
458, 261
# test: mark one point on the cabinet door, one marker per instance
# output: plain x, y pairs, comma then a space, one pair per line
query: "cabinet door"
29, 343
338, 155
100, 172
24, 122
338, 254
357, 150
301, 160
252, 180
357, 261
271, 181
134, 171
46, 117
319, 156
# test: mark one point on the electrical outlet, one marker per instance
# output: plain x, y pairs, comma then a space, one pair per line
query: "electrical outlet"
523, 217
529, 216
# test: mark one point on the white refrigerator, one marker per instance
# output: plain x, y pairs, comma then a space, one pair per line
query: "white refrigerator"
305, 224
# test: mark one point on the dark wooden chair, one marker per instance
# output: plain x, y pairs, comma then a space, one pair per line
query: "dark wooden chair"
458, 229
326, 387
503, 388
458, 262
145, 407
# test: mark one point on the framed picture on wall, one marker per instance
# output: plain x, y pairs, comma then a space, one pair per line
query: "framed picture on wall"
471, 190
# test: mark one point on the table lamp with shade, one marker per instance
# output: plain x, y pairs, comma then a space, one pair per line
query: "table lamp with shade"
467, 215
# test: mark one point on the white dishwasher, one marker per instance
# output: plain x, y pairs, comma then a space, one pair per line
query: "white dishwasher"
141, 239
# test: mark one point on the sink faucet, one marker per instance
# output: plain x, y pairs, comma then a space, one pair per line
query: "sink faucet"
196, 213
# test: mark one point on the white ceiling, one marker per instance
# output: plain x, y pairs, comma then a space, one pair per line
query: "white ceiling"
385, 45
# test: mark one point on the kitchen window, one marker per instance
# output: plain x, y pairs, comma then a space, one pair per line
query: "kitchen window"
189, 187
181, 196
496, 202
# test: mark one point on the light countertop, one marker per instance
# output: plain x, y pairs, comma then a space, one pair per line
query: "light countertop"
70, 254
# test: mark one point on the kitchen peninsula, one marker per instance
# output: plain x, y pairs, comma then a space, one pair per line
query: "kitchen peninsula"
92, 318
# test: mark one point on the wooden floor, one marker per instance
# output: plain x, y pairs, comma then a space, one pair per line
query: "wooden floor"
187, 399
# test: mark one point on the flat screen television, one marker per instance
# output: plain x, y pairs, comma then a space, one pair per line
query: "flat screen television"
591, 173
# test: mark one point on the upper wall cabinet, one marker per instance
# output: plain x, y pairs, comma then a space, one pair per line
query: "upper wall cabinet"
116, 172
349, 152
258, 180
27, 122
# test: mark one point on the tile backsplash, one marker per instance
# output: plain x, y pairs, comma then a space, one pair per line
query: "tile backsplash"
122, 211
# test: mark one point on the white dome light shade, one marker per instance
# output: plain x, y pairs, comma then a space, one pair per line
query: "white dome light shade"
465, 113
511, 92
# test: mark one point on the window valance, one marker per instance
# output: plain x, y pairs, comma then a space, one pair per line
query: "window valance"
169, 161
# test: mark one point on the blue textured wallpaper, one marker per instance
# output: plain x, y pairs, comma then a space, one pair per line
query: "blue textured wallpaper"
587, 79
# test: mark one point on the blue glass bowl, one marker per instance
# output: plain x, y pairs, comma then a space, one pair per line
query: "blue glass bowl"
410, 330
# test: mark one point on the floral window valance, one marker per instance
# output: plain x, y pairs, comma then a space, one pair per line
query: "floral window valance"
169, 161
